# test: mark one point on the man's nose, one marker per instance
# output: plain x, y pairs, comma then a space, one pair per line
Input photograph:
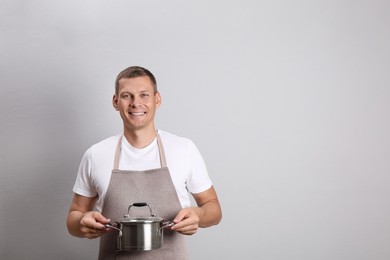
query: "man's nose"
135, 101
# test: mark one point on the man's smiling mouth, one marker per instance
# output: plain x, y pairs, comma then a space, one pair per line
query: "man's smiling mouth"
137, 113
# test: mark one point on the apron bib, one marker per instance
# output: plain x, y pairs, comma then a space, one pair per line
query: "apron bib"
154, 187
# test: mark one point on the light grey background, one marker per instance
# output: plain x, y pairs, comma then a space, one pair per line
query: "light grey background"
288, 102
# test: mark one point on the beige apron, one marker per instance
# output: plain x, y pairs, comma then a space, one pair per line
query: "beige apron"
154, 187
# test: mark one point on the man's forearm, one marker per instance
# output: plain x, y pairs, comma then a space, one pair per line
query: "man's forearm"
73, 223
209, 214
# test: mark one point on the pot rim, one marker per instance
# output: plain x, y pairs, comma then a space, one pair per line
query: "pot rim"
140, 220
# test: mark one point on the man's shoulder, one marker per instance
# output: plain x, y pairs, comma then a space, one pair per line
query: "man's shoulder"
106, 144
176, 143
173, 138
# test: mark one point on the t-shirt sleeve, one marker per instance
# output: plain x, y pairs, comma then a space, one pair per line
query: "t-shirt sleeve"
83, 185
199, 179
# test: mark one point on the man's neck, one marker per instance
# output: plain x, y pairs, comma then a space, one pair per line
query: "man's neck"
140, 138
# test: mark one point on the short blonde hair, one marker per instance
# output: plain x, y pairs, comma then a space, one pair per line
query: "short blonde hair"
135, 72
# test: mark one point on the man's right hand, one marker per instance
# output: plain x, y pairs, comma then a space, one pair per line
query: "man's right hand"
82, 221
92, 224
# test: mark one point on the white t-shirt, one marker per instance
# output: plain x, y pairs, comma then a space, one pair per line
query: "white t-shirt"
184, 161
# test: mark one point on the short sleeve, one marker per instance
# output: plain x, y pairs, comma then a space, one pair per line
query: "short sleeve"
83, 185
199, 179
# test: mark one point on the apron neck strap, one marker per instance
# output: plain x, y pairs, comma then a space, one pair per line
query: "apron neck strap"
118, 153
118, 150
163, 161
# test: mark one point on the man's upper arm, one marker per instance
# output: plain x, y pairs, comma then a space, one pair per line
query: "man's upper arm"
205, 196
82, 203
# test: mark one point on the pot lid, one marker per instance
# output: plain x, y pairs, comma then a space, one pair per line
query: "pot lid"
140, 220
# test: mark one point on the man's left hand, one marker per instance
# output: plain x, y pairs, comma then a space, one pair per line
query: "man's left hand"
186, 221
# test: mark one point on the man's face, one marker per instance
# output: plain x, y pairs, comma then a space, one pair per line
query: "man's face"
137, 103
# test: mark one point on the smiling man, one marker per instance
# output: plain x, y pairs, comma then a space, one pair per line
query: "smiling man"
142, 164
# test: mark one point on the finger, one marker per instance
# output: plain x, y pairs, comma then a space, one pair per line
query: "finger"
94, 233
185, 223
188, 228
187, 232
94, 221
183, 214
100, 218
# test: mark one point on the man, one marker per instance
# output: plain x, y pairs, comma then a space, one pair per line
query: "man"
141, 165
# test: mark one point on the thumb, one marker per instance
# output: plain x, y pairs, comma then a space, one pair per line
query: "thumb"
100, 218
180, 216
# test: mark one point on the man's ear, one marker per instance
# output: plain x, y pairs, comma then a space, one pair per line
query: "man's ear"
115, 102
158, 99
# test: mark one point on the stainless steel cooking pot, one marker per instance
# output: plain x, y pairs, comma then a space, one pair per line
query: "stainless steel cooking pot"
140, 233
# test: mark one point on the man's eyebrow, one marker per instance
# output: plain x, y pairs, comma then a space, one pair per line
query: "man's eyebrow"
141, 91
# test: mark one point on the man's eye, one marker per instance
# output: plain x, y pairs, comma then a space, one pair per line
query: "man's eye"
125, 96
144, 95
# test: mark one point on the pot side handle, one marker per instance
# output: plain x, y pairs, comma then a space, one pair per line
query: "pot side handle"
109, 225
167, 224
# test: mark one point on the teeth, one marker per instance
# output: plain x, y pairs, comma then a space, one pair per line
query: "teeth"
137, 114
